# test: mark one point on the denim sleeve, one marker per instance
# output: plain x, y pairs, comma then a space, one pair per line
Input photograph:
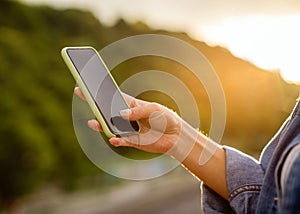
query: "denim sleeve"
289, 200
244, 176
213, 203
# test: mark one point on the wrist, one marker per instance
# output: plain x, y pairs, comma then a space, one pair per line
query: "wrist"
191, 141
183, 145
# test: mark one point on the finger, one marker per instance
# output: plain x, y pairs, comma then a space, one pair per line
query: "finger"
79, 93
117, 141
141, 112
95, 125
122, 142
129, 99
133, 102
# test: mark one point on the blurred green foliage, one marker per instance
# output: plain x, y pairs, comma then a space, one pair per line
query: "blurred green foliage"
38, 145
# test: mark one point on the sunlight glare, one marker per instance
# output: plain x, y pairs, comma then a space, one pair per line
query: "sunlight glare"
270, 42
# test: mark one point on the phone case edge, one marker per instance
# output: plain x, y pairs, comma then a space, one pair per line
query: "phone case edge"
81, 85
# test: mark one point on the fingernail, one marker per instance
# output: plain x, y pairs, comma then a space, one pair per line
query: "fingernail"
125, 113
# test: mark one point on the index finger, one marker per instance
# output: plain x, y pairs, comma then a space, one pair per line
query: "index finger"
133, 102
79, 93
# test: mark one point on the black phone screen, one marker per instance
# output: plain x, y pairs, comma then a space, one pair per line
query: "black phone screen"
102, 89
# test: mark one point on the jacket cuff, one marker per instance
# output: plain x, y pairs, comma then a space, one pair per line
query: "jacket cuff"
243, 172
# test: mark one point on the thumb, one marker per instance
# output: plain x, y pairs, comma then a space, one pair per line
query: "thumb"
140, 112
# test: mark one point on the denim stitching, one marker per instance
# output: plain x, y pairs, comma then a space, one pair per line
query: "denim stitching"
245, 188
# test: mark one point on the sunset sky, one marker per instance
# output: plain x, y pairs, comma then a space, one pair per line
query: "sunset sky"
264, 32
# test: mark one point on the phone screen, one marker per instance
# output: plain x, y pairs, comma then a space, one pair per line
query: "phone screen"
102, 89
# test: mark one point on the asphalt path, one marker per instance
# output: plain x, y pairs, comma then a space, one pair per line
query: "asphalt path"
175, 193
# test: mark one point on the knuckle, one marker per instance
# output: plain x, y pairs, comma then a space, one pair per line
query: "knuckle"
156, 106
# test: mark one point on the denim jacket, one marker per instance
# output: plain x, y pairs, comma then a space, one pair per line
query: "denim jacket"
255, 186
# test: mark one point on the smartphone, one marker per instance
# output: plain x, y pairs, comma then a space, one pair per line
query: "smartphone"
100, 90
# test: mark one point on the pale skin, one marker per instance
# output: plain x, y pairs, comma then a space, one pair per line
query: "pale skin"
171, 138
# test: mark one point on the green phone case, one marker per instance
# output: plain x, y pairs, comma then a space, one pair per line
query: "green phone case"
84, 90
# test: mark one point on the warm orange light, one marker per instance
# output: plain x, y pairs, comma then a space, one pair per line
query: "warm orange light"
270, 42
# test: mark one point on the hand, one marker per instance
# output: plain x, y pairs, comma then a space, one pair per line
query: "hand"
159, 126
163, 131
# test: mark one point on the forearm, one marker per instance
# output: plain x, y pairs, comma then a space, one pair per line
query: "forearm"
213, 172
203, 158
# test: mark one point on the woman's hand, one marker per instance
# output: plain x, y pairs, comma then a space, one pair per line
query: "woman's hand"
163, 131
159, 126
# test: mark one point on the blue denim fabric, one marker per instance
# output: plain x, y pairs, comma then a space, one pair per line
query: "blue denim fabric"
288, 184
252, 185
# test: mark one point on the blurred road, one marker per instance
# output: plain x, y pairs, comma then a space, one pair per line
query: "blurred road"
175, 193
